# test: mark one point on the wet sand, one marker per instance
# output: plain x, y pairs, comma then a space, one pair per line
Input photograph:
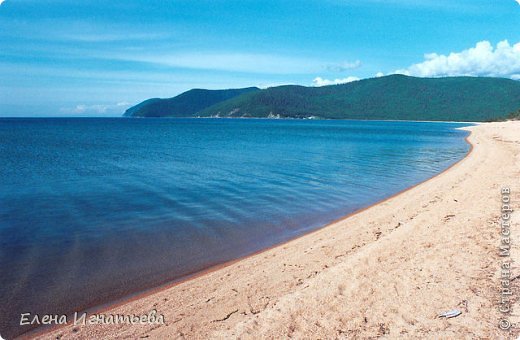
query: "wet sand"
385, 271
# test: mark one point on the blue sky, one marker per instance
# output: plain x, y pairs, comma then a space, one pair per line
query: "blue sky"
96, 58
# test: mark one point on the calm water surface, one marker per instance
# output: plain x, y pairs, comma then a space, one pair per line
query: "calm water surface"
94, 209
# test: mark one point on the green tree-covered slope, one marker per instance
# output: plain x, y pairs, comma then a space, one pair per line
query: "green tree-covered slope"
184, 105
394, 97
514, 115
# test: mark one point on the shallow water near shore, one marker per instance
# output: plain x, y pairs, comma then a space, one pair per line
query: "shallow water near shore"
92, 210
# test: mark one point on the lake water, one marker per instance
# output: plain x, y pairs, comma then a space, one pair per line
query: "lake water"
92, 210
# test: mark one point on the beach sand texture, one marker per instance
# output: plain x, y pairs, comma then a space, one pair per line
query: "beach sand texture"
384, 272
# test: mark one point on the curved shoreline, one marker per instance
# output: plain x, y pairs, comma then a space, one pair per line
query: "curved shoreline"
103, 308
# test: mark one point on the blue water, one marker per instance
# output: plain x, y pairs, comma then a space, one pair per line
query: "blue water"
92, 210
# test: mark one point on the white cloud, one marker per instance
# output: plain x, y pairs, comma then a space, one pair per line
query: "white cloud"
481, 60
266, 85
381, 74
2, 1
348, 65
238, 62
96, 109
319, 81
518, 1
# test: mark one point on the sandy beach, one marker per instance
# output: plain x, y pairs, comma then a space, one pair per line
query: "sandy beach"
386, 271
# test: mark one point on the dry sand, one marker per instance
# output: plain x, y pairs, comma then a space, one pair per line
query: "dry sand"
384, 272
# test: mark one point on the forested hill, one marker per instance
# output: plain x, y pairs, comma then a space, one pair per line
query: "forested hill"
394, 97
184, 105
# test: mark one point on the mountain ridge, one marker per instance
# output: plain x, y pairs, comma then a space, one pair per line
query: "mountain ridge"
394, 97
185, 104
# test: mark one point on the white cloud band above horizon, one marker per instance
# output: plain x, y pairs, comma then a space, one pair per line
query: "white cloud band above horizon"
319, 81
345, 66
261, 63
482, 60
99, 109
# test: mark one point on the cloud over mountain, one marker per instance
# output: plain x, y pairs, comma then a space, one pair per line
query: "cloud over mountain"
482, 60
319, 81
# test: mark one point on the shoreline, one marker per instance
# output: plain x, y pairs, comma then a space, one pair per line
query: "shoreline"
247, 118
204, 275
104, 308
